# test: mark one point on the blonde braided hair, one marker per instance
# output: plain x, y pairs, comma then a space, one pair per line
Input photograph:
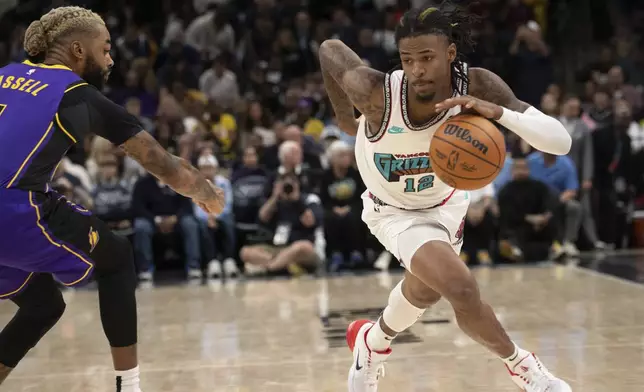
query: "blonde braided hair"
42, 34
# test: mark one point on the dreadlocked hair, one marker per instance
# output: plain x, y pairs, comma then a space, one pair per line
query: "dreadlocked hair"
56, 25
448, 19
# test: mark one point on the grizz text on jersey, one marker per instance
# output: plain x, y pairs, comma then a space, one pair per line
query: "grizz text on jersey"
393, 166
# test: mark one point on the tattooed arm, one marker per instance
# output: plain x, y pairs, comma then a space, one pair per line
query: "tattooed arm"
176, 172
491, 97
349, 82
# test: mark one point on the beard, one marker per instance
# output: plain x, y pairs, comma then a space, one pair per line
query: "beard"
427, 97
94, 74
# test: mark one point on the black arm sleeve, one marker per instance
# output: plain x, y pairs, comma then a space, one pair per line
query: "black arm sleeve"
84, 110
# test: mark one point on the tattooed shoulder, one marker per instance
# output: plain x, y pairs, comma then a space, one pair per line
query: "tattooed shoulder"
365, 87
488, 86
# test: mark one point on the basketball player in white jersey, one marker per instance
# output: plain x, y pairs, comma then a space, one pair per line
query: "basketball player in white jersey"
416, 216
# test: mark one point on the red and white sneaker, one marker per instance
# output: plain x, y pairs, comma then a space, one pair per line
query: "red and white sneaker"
531, 376
368, 366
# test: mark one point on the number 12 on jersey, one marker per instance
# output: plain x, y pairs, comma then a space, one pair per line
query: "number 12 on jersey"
425, 182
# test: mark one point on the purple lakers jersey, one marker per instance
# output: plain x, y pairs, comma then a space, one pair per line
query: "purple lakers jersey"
29, 98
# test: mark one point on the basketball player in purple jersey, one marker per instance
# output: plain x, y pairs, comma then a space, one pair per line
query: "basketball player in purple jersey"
46, 108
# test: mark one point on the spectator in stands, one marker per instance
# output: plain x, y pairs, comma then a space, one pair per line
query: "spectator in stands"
386, 38
174, 49
560, 174
211, 33
294, 217
295, 62
133, 106
582, 155
73, 182
113, 196
526, 207
614, 171
293, 158
622, 90
531, 62
218, 229
134, 43
601, 111
303, 118
549, 105
158, 209
249, 181
259, 121
340, 191
480, 226
219, 83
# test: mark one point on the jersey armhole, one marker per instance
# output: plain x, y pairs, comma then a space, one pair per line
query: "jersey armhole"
386, 114
57, 117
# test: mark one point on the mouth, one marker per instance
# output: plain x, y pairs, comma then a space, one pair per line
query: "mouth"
422, 85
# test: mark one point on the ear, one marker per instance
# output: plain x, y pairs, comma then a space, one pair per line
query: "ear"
77, 50
451, 52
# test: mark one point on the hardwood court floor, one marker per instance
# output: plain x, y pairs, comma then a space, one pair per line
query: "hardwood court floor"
287, 336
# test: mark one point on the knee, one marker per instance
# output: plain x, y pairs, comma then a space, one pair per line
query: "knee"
48, 307
189, 225
463, 293
143, 226
118, 256
246, 254
419, 295
56, 308
304, 248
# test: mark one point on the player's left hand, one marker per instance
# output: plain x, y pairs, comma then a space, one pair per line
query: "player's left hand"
484, 108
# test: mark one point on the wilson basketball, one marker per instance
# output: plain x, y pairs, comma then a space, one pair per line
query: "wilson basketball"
467, 152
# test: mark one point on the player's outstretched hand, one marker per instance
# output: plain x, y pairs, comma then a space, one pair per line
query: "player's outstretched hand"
214, 205
484, 108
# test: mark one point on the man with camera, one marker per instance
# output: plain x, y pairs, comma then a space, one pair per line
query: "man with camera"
294, 217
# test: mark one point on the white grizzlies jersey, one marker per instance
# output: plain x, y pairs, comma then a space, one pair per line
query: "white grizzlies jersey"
394, 162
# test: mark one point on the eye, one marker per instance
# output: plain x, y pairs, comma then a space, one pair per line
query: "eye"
406, 61
427, 58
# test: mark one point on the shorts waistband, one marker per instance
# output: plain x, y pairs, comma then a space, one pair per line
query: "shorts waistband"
381, 203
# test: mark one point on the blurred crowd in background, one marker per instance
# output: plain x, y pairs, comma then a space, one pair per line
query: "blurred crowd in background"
235, 88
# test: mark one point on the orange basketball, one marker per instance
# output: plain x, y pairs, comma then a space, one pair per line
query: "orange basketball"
467, 152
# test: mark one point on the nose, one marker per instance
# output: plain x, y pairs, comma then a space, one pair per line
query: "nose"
417, 70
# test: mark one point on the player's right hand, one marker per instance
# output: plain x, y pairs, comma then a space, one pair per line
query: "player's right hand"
214, 205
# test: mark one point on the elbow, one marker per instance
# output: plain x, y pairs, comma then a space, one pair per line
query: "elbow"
328, 44
563, 148
327, 47
559, 143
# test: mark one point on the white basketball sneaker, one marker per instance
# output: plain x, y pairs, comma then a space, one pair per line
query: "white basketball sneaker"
368, 366
531, 376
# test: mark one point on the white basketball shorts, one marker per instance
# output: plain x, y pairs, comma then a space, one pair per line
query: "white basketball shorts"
403, 232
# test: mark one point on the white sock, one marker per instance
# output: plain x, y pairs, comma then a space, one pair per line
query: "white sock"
127, 380
516, 357
399, 315
377, 339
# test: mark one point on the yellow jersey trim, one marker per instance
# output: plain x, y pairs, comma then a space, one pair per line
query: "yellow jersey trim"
19, 288
46, 66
